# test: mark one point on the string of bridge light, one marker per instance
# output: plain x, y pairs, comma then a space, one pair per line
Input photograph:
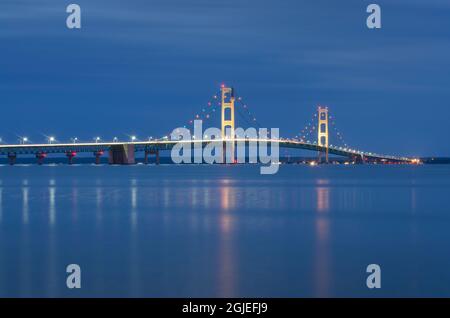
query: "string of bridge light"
207, 110
338, 133
211, 107
249, 123
310, 127
204, 114
245, 107
214, 102
340, 136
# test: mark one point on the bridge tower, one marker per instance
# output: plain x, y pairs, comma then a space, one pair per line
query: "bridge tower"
322, 130
228, 100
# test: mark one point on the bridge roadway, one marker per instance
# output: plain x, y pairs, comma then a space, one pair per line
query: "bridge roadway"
123, 152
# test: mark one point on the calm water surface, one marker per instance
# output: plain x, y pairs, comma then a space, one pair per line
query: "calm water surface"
224, 231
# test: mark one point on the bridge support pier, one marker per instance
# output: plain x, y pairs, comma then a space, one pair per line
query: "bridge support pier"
70, 155
358, 159
151, 152
157, 156
12, 158
40, 157
121, 155
98, 155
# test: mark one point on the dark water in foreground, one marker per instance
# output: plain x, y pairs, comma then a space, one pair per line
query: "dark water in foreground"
209, 231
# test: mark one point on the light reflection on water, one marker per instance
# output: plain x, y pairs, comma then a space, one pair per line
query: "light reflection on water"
52, 208
221, 231
322, 266
25, 205
226, 272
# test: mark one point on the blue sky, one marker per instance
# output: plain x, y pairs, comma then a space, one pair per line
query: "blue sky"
145, 67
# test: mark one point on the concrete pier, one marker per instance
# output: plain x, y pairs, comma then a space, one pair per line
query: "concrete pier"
122, 154
40, 156
12, 158
98, 155
70, 155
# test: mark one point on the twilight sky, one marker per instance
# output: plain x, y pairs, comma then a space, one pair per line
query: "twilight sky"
145, 67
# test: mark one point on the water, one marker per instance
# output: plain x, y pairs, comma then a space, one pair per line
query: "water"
224, 231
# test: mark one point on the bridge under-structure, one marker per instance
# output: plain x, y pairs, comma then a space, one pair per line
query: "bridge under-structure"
123, 153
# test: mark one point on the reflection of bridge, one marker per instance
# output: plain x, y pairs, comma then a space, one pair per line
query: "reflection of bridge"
124, 152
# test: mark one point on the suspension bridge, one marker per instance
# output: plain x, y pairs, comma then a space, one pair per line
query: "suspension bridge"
315, 136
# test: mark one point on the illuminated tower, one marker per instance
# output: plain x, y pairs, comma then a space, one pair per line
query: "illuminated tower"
228, 117
322, 130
